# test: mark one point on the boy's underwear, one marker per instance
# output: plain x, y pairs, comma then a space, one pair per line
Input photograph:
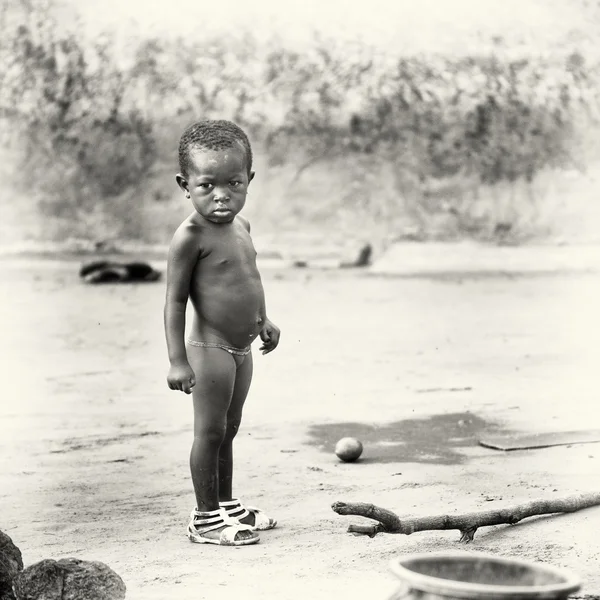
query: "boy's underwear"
230, 349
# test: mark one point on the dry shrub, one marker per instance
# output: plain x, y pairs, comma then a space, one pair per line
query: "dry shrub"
422, 146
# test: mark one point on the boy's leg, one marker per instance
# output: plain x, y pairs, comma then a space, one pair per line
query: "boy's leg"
252, 517
234, 416
215, 376
215, 372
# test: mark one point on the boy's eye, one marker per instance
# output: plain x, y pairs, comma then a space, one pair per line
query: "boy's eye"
235, 183
205, 186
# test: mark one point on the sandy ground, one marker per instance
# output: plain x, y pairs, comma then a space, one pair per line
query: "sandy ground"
94, 447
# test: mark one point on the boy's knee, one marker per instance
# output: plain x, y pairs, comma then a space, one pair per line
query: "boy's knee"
213, 434
232, 429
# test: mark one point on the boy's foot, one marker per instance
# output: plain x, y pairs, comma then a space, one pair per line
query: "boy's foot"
248, 515
216, 527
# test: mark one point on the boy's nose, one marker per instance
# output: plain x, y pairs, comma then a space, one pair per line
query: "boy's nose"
220, 196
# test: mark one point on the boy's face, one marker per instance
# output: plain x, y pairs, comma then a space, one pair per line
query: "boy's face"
217, 183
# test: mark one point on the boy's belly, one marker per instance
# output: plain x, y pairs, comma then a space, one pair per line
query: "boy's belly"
234, 315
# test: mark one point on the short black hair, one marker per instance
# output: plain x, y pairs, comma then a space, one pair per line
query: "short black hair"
215, 134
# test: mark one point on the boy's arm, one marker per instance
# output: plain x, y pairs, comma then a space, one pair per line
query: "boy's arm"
183, 254
270, 333
244, 222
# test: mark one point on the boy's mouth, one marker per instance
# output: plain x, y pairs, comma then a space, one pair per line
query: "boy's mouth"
222, 213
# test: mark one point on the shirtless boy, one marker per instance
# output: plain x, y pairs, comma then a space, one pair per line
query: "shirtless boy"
212, 261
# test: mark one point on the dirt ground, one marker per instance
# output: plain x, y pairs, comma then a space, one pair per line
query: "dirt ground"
94, 447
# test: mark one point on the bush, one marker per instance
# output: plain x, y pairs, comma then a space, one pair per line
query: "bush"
64, 108
437, 128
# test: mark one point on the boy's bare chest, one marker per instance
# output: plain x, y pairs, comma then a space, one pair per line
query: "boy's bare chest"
233, 251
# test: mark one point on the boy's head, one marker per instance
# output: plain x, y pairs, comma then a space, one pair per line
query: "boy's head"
212, 135
215, 160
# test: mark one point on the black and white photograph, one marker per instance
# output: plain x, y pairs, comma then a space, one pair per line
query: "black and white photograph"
300, 300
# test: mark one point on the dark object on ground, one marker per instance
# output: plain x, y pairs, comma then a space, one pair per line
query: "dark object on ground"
525, 441
69, 579
104, 271
467, 524
11, 563
362, 260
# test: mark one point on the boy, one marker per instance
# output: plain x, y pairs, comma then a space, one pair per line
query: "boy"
213, 262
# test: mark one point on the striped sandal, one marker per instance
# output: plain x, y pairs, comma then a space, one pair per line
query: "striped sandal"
234, 508
202, 523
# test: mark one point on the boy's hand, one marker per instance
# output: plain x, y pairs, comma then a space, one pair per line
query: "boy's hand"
270, 337
181, 377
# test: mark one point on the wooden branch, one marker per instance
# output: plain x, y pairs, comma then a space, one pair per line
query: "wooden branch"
467, 524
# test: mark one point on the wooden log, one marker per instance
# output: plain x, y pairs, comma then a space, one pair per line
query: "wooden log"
467, 524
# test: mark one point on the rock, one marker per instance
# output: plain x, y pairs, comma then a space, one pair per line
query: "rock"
69, 579
363, 258
41, 581
11, 563
10, 551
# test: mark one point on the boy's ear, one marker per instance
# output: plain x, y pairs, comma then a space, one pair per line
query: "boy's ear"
182, 182
251, 176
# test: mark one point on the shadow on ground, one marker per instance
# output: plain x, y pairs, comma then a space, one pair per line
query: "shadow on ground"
436, 439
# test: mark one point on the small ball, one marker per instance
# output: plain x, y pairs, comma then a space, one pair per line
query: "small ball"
348, 449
